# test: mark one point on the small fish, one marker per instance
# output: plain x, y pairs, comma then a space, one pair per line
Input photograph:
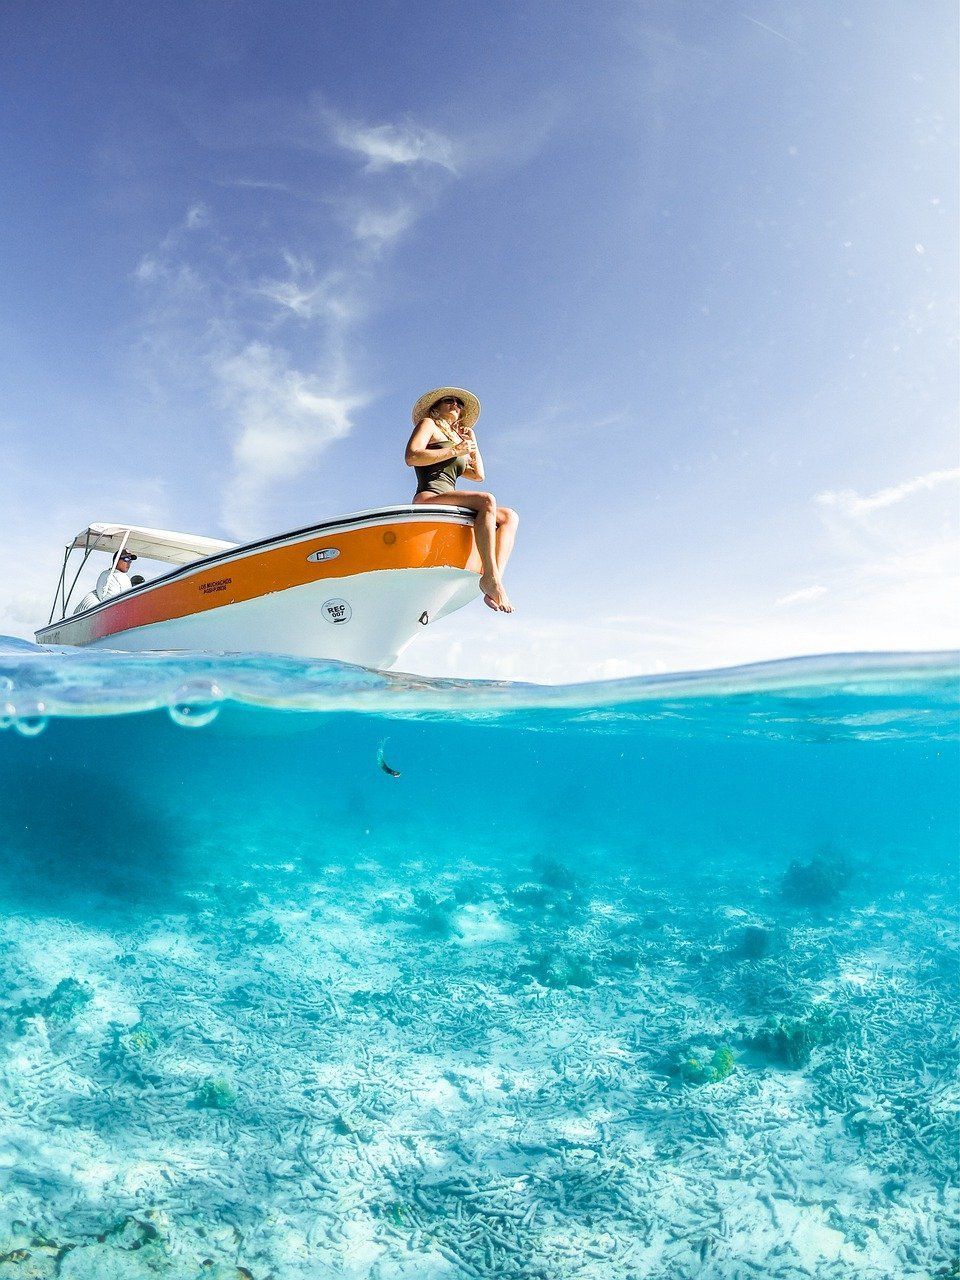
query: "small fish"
394, 773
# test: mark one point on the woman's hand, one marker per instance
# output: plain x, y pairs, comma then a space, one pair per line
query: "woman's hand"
474, 469
423, 449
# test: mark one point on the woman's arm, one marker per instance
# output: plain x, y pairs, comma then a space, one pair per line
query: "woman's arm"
474, 469
419, 454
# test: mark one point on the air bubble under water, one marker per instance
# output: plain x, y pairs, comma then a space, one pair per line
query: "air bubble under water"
30, 726
29, 717
7, 710
196, 704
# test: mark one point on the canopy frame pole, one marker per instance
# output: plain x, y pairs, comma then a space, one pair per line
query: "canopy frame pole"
87, 552
120, 549
60, 584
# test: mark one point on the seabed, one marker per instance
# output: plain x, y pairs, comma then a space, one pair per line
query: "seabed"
476, 1074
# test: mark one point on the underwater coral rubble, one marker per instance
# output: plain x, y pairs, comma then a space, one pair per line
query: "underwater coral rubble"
819, 881
482, 1225
57, 1009
506, 1071
792, 1040
134, 1247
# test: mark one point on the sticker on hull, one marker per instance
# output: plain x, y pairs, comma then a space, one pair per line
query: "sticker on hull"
336, 611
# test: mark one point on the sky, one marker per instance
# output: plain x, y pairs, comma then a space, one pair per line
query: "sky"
698, 260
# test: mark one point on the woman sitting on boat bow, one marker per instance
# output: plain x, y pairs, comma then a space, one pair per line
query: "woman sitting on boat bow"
442, 448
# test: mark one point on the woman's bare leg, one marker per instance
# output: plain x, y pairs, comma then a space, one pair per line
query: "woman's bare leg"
507, 523
485, 530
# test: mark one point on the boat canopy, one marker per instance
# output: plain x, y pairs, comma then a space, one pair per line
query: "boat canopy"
154, 544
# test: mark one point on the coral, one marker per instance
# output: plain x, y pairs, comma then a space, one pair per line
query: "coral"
629, 946
555, 875
139, 1039
101, 1261
215, 1093
567, 903
471, 891
31, 1258
765, 987
791, 1041
397, 1213
531, 894
624, 957
353, 1123
57, 1009
555, 890
754, 942
692, 1071
722, 1062
435, 915
133, 1248
264, 933
817, 882
700, 1070
560, 969
130, 1050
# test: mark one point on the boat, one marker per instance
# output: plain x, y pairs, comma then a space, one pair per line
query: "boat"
357, 589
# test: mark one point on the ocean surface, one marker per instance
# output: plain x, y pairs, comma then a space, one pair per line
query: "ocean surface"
308, 971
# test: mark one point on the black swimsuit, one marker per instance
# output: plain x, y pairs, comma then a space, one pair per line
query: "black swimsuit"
441, 477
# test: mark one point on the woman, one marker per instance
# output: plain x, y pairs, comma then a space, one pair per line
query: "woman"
441, 449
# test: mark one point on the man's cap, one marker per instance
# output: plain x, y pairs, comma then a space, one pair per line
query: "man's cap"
126, 555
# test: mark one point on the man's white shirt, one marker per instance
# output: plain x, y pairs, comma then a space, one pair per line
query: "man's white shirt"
112, 583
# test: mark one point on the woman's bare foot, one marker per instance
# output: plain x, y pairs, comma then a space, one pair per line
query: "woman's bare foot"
494, 596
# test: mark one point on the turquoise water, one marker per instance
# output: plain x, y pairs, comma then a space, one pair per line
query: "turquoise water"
654, 978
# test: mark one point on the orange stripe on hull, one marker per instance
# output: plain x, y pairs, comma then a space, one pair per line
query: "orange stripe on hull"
383, 546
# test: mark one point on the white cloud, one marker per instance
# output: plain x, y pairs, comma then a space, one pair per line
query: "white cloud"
209, 337
23, 612
147, 269
308, 296
850, 503
803, 596
376, 228
256, 184
198, 215
387, 145
305, 303
284, 420
211, 328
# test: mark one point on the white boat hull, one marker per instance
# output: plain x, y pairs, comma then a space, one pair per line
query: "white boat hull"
385, 612
357, 590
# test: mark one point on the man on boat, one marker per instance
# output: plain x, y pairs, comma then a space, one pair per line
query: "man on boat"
115, 579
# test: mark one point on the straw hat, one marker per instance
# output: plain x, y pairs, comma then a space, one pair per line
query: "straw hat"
471, 405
